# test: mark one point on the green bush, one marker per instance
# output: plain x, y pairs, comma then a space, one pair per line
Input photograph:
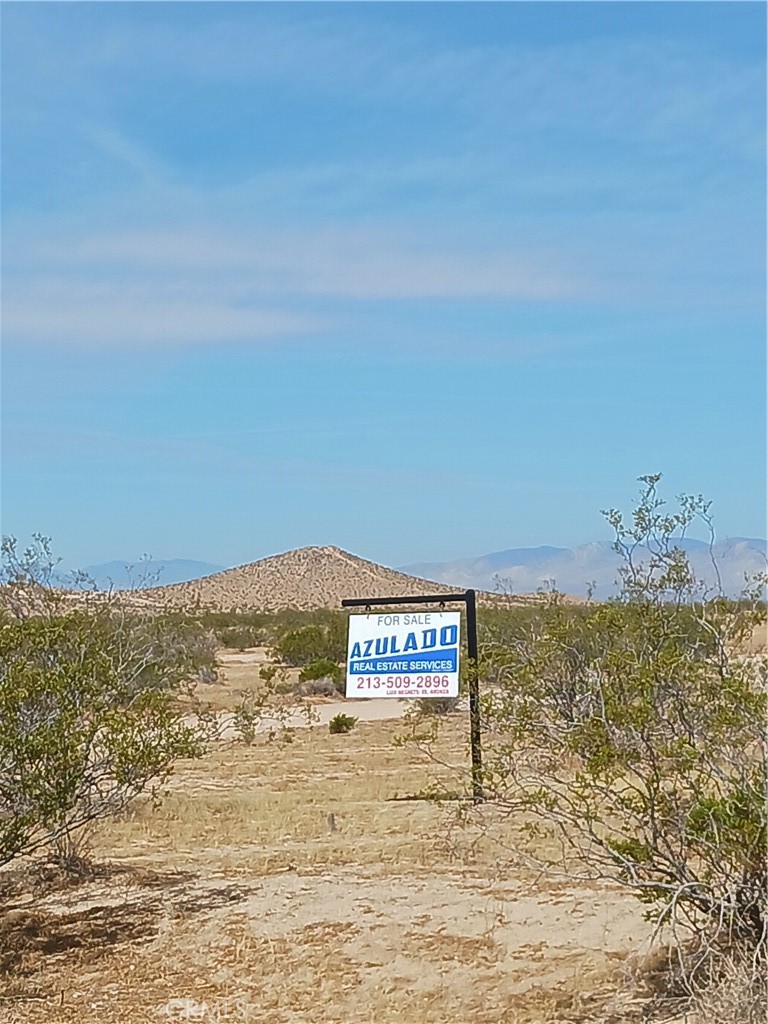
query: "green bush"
245, 627
342, 723
635, 731
315, 642
247, 716
301, 647
323, 668
90, 704
81, 732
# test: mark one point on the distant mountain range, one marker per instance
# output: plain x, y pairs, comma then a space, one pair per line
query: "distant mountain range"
514, 571
147, 572
573, 570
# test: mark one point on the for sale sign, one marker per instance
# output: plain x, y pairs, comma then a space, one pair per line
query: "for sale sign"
406, 654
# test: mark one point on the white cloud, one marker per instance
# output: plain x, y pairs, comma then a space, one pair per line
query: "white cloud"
123, 150
83, 313
361, 262
182, 280
186, 286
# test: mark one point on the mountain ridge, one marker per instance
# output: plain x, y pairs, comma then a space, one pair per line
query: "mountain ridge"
591, 567
327, 573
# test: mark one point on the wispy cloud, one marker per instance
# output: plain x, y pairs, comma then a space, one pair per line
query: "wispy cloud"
359, 262
169, 287
78, 312
118, 147
194, 283
487, 97
628, 88
550, 172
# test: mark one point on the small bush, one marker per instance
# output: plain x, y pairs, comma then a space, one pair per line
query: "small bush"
647, 725
736, 992
246, 718
323, 668
239, 638
208, 675
322, 678
342, 723
301, 647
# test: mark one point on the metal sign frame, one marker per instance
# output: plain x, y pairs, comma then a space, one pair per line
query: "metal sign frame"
468, 599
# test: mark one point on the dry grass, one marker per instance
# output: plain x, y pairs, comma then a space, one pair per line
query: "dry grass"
267, 806
737, 993
235, 900
238, 673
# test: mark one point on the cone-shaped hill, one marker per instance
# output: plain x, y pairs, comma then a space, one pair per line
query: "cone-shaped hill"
306, 578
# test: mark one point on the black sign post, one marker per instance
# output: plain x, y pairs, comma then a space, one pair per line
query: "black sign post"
468, 599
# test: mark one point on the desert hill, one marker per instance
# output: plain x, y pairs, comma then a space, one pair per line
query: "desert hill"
305, 578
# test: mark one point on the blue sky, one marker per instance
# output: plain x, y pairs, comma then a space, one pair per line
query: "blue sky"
420, 280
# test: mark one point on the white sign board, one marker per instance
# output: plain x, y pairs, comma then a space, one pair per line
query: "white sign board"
404, 654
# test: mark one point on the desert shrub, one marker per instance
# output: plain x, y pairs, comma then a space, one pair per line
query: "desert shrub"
271, 672
258, 628
323, 668
80, 733
635, 730
207, 676
159, 651
315, 642
91, 709
275, 677
71, 853
239, 637
271, 708
732, 989
301, 647
342, 723
247, 716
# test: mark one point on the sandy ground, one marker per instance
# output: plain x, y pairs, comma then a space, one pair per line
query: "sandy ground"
349, 947
313, 882
251, 656
308, 882
374, 710
239, 672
